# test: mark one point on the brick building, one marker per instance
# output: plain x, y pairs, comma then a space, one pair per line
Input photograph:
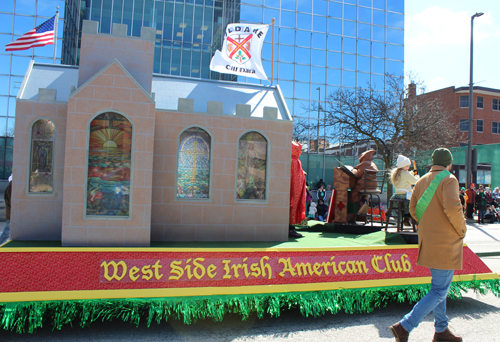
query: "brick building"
486, 115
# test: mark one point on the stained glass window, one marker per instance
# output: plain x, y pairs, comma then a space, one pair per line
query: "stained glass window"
109, 165
193, 164
42, 157
252, 162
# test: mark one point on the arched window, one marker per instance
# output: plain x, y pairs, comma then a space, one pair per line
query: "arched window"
43, 135
193, 164
109, 165
252, 167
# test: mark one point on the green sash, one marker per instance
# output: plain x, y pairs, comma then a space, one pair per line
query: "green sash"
426, 198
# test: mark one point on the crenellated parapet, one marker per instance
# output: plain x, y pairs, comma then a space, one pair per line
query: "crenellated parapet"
134, 53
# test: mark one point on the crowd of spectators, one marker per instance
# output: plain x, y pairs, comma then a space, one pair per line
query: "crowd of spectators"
482, 202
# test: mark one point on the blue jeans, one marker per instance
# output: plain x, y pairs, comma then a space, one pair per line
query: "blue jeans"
481, 215
434, 301
321, 218
6, 233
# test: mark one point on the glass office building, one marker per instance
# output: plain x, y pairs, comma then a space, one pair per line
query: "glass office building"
187, 32
320, 46
16, 18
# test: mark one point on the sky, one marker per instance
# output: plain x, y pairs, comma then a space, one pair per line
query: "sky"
437, 42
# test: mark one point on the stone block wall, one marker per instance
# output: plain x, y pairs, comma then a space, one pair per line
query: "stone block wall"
134, 53
221, 218
37, 216
111, 90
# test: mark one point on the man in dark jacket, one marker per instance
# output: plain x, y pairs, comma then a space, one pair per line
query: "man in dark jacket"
6, 231
322, 210
481, 201
320, 183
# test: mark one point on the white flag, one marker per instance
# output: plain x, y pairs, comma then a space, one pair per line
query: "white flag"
241, 51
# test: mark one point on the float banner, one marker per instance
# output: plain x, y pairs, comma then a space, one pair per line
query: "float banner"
96, 272
241, 51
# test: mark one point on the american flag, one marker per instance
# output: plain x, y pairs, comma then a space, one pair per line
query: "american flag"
41, 35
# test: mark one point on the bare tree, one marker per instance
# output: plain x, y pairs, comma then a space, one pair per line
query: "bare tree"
300, 130
396, 120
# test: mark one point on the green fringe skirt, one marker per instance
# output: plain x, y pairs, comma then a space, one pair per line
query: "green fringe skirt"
29, 316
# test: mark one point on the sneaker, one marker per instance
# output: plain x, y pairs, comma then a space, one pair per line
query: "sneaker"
294, 234
400, 334
446, 336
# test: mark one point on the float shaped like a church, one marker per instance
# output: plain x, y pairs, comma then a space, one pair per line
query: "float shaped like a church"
146, 196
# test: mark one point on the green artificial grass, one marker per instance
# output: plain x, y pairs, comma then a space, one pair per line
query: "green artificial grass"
318, 234
313, 237
29, 316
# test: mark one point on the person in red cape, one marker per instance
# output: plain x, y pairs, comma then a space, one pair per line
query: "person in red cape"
297, 190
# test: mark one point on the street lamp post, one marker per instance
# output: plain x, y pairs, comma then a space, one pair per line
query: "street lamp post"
468, 181
319, 107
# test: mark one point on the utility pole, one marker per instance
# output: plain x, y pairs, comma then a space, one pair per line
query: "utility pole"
468, 181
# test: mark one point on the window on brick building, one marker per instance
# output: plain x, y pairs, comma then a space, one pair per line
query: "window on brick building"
464, 125
496, 104
480, 102
479, 126
495, 127
464, 101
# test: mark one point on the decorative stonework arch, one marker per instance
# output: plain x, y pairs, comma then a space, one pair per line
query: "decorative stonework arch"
194, 164
108, 186
42, 157
252, 167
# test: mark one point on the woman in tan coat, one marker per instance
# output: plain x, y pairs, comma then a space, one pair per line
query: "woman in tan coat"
441, 231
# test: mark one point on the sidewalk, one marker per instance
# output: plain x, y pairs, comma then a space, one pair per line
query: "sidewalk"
483, 239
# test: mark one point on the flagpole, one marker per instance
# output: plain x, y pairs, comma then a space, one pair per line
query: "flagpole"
272, 56
55, 34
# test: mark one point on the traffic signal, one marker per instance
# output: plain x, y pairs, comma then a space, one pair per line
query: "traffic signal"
473, 166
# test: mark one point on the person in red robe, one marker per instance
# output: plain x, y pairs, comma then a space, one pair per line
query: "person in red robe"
297, 190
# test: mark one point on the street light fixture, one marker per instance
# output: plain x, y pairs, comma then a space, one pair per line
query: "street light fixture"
468, 181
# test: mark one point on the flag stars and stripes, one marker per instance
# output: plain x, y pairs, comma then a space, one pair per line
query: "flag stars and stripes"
41, 35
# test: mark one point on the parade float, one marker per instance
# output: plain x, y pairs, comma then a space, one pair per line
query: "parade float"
149, 197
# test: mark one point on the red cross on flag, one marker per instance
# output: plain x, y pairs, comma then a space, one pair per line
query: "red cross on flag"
241, 51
